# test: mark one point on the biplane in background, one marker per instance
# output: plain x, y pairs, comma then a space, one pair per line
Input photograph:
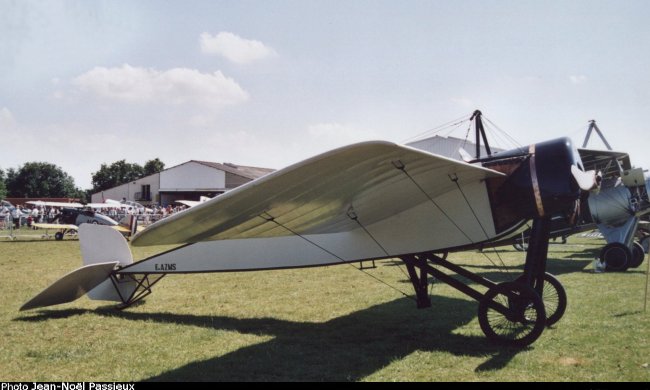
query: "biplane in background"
616, 210
192, 203
72, 215
69, 218
372, 200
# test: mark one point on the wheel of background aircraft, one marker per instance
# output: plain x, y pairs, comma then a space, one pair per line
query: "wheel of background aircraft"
554, 298
616, 256
525, 320
638, 254
645, 243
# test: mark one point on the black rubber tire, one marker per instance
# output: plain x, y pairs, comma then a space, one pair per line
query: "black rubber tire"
645, 243
525, 321
616, 257
554, 298
58, 236
638, 254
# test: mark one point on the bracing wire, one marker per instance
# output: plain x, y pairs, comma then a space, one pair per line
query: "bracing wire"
437, 129
353, 216
270, 218
487, 237
403, 169
508, 136
469, 128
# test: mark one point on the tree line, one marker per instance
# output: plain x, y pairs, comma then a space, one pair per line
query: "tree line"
46, 180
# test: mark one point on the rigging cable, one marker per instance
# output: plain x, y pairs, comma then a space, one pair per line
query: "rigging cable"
438, 129
511, 138
270, 218
353, 216
399, 165
487, 237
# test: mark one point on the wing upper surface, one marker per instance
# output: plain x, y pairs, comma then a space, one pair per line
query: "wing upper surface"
317, 196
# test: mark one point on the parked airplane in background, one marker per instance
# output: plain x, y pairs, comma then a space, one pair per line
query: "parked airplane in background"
373, 200
69, 218
616, 210
124, 204
192, 203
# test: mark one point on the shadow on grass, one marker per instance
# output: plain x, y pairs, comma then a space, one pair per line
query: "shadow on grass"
346, 348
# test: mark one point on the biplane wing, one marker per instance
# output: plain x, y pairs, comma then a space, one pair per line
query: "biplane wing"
41, 203
58, 226
610, 163
330, 193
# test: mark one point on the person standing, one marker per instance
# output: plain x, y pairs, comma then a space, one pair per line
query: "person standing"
16, 213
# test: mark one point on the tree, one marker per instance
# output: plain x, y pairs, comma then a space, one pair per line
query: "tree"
3, 187
153, 166
117, 173
40, 180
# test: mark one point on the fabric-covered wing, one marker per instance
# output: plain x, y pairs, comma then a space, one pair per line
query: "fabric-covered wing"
604, 161
320, 195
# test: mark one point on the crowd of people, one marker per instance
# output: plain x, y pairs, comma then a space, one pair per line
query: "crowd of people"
19, 216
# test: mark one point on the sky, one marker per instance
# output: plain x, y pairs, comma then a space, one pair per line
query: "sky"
270, 83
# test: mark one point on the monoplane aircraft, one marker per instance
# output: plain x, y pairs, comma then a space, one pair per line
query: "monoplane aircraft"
372, 200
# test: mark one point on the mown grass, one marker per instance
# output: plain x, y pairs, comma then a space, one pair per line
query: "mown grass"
331, 323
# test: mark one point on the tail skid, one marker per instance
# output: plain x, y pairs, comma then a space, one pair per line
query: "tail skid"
104, 252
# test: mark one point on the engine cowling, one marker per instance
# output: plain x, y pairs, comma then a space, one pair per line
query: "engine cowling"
539, 182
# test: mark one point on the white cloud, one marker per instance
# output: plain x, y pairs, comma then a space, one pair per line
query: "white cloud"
578, 79
234, 47
175, 86
7, 120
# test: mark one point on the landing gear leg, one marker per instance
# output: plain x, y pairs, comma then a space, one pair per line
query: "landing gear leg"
513, 312
420, 283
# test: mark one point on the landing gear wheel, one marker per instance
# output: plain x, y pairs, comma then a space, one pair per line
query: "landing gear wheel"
58, 236
645, 243
638, 254
521, 246
520, 319
616, 256
554, 298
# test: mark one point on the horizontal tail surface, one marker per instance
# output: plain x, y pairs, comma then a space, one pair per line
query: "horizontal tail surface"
102, 249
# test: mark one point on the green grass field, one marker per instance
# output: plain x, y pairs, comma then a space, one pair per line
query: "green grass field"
331, 323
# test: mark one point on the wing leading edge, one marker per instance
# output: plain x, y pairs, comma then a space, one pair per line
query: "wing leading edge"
324, 194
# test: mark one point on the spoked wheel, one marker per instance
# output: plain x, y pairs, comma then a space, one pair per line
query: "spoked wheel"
512, 313
521, 246
553, 297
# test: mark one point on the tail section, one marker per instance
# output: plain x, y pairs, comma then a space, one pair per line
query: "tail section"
72, 286
103, 249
